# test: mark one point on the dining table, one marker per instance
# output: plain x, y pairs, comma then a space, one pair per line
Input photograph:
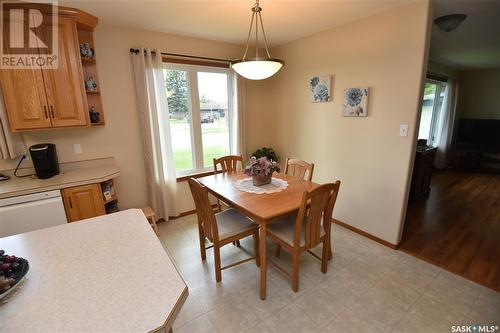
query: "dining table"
262, 208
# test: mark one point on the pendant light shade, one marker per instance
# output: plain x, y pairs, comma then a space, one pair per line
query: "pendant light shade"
449, 22
254, 69
257, 68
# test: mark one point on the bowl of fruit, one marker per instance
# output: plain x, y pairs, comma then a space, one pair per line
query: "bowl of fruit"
12, 271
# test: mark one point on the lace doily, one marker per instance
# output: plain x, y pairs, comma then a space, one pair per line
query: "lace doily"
246, 185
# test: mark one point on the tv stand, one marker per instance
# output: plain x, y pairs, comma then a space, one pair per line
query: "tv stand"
477, 161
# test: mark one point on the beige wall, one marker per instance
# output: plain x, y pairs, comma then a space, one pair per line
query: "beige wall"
386, 52
121, 137
479, 94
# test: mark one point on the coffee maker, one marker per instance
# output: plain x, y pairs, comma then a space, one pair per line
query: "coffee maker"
44, 157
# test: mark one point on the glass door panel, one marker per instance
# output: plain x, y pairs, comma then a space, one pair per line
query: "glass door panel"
214, 115
180, 115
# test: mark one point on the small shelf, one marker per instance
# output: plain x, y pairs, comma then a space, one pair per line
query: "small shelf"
113, 198
88, 61
92, 91
101, 123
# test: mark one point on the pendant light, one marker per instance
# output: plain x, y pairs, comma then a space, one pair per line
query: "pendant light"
257, 68
449, 22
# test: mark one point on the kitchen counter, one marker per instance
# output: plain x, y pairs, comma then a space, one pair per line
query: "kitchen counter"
71, 175
108, 273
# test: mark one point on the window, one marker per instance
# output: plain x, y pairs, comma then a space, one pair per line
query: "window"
200, 112
431, 108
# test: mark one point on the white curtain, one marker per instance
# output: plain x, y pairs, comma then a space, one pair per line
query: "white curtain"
155, 128
445, 124
238, 130
11, 144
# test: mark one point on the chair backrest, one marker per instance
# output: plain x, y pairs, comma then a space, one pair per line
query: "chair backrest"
315, 212
298, 169
228, 163
206, 217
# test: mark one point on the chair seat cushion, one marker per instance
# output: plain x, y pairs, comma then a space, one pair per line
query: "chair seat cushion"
231, 222
284, 229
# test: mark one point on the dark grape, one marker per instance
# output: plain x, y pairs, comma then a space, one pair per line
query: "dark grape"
2, 252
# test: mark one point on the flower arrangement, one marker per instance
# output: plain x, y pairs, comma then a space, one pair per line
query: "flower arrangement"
268, 152
261, 170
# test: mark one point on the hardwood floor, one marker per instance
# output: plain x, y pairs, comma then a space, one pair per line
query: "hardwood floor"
458, 226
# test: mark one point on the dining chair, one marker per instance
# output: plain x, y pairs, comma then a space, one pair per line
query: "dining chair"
228, 164
298, 169
310, 227
222, 228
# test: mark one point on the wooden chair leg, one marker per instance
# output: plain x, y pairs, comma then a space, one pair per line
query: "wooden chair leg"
256, 248
295, 270
324, 255
155, 227
238, 243
330, 253
278, 250
218, 275
202, 243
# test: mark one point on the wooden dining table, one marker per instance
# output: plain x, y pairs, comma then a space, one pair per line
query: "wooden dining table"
261, 208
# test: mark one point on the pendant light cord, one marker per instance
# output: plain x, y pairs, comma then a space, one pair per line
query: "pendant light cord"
248, 37
257, 16
264, 35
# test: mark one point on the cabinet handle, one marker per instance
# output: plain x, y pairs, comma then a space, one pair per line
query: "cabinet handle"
52, 111
45, 111
69, 202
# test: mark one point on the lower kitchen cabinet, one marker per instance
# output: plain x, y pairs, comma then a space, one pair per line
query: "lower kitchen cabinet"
83, 202
86, 201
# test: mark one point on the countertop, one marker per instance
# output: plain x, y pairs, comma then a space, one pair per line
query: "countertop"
68, 178
108, 273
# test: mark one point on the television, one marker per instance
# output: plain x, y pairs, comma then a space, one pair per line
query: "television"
479, 135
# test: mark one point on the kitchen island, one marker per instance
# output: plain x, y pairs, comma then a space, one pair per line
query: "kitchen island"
104, 274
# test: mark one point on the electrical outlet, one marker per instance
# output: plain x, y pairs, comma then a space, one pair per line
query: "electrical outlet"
77, 148
403, 130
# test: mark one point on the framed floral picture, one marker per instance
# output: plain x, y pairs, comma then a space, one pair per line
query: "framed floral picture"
355, 102
320, 87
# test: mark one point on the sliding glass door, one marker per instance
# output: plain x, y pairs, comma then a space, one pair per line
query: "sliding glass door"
431, 108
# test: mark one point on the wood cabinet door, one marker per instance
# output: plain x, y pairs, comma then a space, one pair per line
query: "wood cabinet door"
83, 202
24, 98
64, 86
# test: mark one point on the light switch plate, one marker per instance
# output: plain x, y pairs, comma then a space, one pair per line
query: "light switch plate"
403, 130
77, 148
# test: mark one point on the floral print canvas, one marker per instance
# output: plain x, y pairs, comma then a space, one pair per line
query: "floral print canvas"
320, 87
355, 102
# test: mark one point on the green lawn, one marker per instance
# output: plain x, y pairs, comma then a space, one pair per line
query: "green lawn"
215, 137
184, 160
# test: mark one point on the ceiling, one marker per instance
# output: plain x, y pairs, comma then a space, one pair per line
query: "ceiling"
476, 42
228, 20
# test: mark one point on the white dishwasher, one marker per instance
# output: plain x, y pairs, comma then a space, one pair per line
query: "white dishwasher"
31, 212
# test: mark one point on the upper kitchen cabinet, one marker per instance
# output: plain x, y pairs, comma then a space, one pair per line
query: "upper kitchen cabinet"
64, 86
42, 98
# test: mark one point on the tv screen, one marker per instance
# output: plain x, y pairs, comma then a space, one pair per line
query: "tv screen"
481, 135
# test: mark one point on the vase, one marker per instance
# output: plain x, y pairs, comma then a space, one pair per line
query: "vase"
261, 178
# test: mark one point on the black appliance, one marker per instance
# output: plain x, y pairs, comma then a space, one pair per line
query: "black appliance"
44, 157
479, 135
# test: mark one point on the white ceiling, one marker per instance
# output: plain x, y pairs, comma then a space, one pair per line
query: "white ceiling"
228, 20
475, 43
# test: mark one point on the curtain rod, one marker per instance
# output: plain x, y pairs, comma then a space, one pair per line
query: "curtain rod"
136, 51
437, 77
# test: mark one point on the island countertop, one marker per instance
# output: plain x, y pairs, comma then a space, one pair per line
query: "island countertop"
108, 273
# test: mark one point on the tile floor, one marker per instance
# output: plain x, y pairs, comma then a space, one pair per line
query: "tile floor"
368, 288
